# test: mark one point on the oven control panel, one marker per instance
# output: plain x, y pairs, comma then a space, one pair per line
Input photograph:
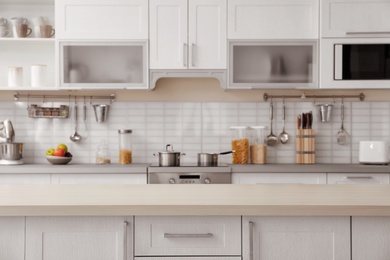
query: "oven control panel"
190, 177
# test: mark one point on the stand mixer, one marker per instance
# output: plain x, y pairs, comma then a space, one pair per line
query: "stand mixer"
10, 152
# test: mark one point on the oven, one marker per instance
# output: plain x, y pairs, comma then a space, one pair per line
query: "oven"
355, 63
189, 174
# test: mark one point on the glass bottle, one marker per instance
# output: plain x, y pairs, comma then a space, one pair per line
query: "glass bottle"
103, 153
125, 146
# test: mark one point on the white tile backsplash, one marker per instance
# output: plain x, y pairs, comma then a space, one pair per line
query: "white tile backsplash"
196, 127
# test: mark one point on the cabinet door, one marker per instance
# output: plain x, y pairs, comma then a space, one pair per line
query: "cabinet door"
187, 236
12, 238
358, 178
188, 258
273, 19
207, 34
99, 19
24, 178
370, 238
79, 238
285, 178
168, 34
109, 178
296, 238
355, 18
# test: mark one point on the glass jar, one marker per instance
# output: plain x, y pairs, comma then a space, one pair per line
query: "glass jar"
103, 153
125, 146
240, 144
258, 148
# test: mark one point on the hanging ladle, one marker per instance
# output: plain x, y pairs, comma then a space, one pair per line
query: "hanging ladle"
75, 137
271, 139
283, 136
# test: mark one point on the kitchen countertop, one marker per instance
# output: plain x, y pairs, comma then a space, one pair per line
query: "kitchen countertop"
160, 199
248, 168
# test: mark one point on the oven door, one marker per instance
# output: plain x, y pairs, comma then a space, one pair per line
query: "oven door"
355, 63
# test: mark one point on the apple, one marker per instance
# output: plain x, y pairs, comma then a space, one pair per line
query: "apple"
62, 146
50, 152
59, 152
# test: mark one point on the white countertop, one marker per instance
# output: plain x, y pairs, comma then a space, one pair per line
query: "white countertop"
259, 200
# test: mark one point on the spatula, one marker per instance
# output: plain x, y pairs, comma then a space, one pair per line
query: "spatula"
342, 135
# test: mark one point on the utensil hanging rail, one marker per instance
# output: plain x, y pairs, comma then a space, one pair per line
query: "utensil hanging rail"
361, 96
17, 96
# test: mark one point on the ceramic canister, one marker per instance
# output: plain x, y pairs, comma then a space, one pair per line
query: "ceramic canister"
38, 76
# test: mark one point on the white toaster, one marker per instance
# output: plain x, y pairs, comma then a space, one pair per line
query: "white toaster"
374, 152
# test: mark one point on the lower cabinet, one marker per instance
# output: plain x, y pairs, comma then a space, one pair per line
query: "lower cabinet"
370, 238
12, 238
358, 178
79, 238
168, 236
296, 238
285, 178
97, 178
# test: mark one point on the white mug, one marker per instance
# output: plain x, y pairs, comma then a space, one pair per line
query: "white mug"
15, 21
38, 21
15, 76
3, 31
3, 21
38, 76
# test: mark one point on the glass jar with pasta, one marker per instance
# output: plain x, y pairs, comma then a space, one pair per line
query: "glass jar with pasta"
240, 144
125, 146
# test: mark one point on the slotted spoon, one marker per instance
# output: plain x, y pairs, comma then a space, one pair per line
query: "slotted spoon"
342, 135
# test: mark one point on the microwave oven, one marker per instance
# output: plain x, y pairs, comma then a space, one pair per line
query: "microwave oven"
355, 63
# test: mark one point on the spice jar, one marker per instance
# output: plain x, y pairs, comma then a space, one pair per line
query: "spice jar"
258, 148
102, 153
125, 146
240, 144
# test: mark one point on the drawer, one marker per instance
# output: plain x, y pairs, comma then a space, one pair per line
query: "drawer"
190, 235
358, 178
276, 178
188, 258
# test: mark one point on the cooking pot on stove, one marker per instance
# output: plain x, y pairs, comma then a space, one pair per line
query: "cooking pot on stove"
169, 157
210, 159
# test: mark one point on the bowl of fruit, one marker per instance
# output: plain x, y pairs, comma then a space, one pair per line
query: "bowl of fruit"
59, 155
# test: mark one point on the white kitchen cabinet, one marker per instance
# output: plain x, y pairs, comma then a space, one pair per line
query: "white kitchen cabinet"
24, 52
296, 238
370, 238
109, 178
273, 64
355, 18
100, 19
285, 178
187, 34
24, 178
273, 19
104, 65
12, 238
358, 178
187, 236
79, 238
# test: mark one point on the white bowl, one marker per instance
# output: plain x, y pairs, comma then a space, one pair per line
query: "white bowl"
58, 159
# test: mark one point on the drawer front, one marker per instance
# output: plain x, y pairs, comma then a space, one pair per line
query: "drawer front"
282, 178
358, 178
160, 236
188, 258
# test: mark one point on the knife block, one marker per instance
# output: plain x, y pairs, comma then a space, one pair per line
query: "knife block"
305, 146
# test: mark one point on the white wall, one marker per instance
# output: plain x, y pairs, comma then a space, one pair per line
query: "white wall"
194, 127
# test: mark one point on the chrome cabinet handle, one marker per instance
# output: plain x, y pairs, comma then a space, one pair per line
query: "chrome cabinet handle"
193, 52
251, 229
353, 33
359, 177
185, 54
170, 235
125, 223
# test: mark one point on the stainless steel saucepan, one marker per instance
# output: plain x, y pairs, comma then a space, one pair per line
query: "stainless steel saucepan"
210, 159
169, 157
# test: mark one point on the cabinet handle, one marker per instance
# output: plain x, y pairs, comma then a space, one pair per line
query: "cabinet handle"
193, 52
359, 177
125, 223
251, 229
170, 235
185, 54
353, 33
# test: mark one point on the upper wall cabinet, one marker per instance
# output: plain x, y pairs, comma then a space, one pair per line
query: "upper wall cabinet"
101, 19
355, 18
187, 34
273, 19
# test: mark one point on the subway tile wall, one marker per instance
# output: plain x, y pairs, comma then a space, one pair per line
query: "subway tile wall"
195, 127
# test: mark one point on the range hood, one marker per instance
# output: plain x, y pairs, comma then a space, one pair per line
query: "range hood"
155, 75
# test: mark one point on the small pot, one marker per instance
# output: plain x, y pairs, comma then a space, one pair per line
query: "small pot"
210, 159
169, 158
11, 151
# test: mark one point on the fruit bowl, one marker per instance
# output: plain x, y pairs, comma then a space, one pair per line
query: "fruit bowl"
58, 159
